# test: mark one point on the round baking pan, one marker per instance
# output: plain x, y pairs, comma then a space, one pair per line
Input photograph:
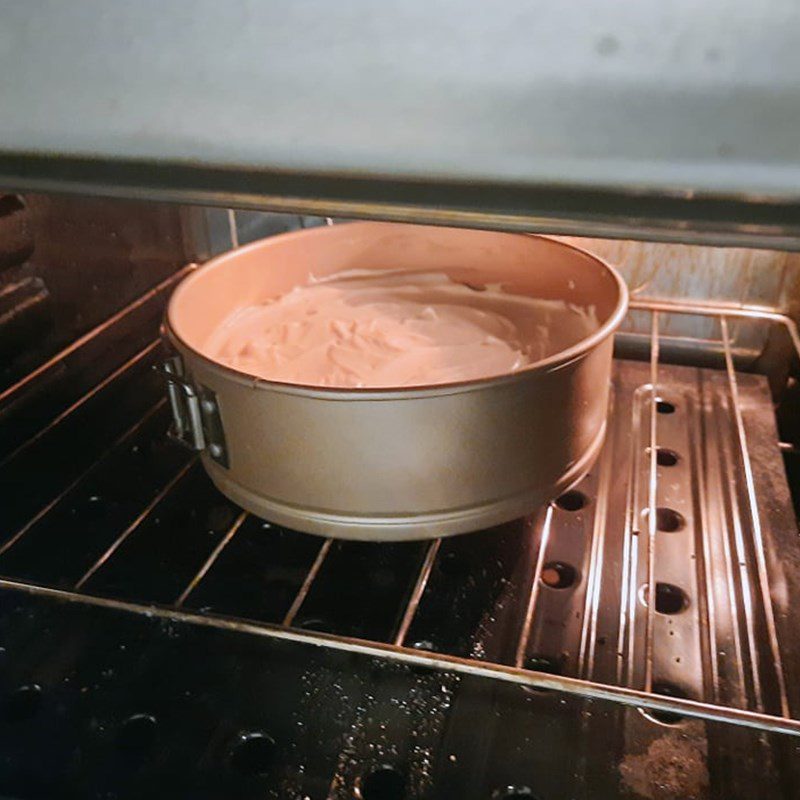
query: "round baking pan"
405, 463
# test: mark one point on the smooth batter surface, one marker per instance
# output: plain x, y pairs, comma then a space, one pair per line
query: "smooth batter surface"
380, 328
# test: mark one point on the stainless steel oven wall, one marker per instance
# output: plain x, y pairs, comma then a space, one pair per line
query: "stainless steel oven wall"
689, 274
696, 272
69, 263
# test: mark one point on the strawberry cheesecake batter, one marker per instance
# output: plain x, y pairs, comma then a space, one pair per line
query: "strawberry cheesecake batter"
381, 328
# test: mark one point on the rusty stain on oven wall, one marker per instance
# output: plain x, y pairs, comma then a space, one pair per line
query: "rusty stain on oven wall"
676, 271
734, 275
790, 295
673, 767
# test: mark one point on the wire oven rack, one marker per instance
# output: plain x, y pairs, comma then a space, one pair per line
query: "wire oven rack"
727, 450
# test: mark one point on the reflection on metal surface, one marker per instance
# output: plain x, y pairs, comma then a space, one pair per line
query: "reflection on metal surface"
536, 580
95, 333
43, 511
211, 559
725, 649
418, 658
416, 593
652, 488
594, 576
134, 525
719, 310
763, 578
304, 589
139, 357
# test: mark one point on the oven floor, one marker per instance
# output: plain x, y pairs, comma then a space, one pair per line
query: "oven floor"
160, 694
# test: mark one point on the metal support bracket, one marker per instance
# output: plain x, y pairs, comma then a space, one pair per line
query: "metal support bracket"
196, 421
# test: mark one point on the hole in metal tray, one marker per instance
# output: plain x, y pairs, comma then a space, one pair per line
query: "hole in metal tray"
559, 575
383, 783
668, 520
665, 717
548, 664
664, 407
424, 644
666, 457
542, 663
23, 703
513, 793
572, 500
670, 599
253, 754
314, 624
137, 734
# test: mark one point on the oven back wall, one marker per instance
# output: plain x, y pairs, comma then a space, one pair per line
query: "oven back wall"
68, 263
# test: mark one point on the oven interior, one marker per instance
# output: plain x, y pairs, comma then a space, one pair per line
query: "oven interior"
157, 641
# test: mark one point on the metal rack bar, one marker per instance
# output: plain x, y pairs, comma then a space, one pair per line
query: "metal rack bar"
416, 593
522, 645
421, 658
709, 606
304, 589
209, 562
733, 600
652, 491
719, 310
62, 494
97, 331
629, 551
135, 524
595, 572
736, 557
131, 362
758, 539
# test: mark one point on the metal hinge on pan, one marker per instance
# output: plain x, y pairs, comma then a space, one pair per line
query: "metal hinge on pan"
196, 422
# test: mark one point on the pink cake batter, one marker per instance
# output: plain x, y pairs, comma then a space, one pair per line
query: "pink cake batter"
380, 328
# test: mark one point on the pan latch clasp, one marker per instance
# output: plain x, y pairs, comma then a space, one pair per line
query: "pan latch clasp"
196, 422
